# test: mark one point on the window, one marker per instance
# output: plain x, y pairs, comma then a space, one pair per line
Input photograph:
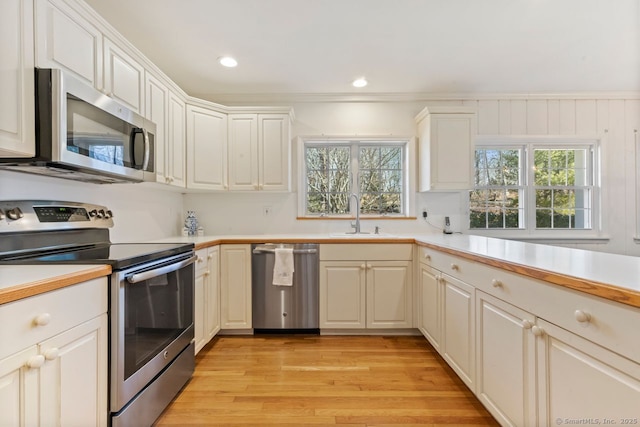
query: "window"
534, 186
373, 170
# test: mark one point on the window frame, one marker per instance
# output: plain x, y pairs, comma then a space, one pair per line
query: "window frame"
528, 144
408, 179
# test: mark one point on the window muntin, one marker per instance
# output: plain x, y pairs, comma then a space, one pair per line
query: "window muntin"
376, 171
555, 193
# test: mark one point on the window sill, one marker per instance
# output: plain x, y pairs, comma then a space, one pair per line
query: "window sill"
351, 218
546, 238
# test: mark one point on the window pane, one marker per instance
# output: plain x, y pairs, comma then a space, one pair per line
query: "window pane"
381, 175
543, 218
339, 158
338, 203
477, 218
512, 218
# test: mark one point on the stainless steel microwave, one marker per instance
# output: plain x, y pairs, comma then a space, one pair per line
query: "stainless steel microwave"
82, 134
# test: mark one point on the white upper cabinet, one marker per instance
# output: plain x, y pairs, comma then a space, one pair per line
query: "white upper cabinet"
446, 136
206, 149
68, 41
16, 79
259, 152
167, 111
243, 152
123, 77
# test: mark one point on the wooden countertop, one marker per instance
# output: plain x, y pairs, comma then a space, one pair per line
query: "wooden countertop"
610, 276
22, 281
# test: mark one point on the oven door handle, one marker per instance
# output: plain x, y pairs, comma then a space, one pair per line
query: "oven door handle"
141, 277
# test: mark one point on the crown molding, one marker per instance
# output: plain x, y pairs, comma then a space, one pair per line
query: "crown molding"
289, 98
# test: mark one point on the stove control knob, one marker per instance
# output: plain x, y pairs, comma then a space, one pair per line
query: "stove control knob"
2, 216
108, 214
101, 213
15, 213
93, 213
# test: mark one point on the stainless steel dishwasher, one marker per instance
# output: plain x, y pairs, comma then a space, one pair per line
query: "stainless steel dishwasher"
285, 308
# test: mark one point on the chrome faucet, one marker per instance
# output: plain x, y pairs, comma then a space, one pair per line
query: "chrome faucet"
356, 225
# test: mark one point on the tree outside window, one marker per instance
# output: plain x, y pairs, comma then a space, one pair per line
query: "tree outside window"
375, 171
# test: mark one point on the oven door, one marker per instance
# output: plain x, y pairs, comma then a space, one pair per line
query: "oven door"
151, 322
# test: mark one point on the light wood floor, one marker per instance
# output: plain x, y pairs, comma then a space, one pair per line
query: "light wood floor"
323, 380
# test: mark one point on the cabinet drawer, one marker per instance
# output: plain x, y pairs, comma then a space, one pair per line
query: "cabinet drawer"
367, 252
64, 308
607, 323
468, 271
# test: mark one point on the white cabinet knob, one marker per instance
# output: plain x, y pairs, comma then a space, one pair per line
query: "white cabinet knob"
582, 316
200, 259
363, 266
537, 331
496, 283
51, 353
455, 267
427, 257
210, 256
42, 319
527, 324
206, 273
35, 362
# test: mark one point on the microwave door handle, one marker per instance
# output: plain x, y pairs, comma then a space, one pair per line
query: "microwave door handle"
145, 162
141, 277
132, 145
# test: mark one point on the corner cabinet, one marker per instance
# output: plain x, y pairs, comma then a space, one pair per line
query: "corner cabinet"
53, 362
235, 287
167, 111
445, 148
259, 152
369, 290
17, 79
206, 149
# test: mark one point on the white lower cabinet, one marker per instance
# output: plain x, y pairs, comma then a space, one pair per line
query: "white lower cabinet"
53, 362
430, 290
458, 328
207, 296
505, 355
235, 286
373, 292
579, 380
535, 354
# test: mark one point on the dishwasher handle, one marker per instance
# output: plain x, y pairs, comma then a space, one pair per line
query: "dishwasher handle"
262, 250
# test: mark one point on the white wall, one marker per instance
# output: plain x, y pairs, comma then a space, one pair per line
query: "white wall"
142, 212
614, 120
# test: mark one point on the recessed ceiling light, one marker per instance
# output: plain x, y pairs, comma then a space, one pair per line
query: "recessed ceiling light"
227, 61
361, 82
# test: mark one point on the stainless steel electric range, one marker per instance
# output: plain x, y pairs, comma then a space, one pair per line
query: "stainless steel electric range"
151, 297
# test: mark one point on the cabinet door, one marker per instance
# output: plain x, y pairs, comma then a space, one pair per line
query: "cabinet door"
176, 142
343, 294
16, 79
431, 305
73, 387
68, 41
506, 349
199, 311
156, 110
243, 152
389, 294
446, 151
213, 293
123, 77
235, 286
19, 390
274, 146
206, 149
458, 330
581, 380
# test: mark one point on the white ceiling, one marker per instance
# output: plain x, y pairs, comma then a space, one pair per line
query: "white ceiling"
401, 46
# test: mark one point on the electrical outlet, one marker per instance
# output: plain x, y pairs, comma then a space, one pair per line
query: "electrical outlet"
266, 210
